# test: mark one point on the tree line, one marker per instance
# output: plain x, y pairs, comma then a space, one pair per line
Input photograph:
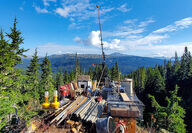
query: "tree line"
166, 91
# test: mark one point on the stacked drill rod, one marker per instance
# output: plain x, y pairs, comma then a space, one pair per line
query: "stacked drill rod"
90, 110
67, 110
87, 109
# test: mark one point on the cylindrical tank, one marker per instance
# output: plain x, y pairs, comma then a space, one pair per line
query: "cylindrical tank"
128, 84
102, 125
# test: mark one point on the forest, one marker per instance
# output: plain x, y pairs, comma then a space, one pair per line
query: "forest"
166, 93
165, 89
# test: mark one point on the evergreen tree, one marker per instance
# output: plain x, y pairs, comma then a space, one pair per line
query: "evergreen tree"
17, 40
113, 72
71, 76
10, 78
185, 64
170, 83
66, 77
90, 73
33, 76
116, 70
46, 83
170, 117
78, 71
59, 79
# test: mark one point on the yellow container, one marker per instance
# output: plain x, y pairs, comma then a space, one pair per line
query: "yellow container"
55, 104
46, 104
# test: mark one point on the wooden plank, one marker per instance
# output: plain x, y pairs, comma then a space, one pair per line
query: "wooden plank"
125, 97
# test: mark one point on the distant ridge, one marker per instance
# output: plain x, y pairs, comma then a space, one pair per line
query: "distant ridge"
127, 63
117, 54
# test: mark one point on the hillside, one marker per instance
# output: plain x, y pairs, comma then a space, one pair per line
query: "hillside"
127, 63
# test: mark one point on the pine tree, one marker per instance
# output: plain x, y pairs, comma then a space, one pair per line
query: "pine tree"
66, 77
90, 73
59, 79
17, 40
33, 76
112, 72
10, 78
116, 70
170, 117
185, 64
71, 76
46, 83
170, 83
78, 71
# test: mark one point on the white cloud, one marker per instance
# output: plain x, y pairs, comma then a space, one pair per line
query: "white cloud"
63, 11
130, 21
178, 25
39, 10
78, 10
167, 50
145, 23
94, 40
123, 8
129, 38
123, 33
46, 2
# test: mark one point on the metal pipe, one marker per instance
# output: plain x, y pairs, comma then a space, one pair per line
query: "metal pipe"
83, 107
65, 113
62, 113
82, 113
91, 111
70, 111
92, 114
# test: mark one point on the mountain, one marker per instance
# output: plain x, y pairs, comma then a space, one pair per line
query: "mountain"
127, 63
117, 54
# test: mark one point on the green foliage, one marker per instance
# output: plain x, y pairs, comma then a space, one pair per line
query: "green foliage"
78, 71
116, 70
160, 80
90, 72
33, 76
46, 83
113, 73
17, 40
59, 79
11, 79
66, 77
171, 116
72, 76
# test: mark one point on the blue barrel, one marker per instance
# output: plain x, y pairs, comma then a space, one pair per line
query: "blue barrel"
102, 125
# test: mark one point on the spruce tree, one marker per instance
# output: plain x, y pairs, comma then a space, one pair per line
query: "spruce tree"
71, 76
59, 79
116, 70
170, 117
113, 72
33, 76
46, 83
78, 71
10, 78
90, 73
16, 41
66, 77
170, 83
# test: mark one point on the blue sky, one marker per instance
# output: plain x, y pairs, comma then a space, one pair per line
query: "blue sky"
135, 27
